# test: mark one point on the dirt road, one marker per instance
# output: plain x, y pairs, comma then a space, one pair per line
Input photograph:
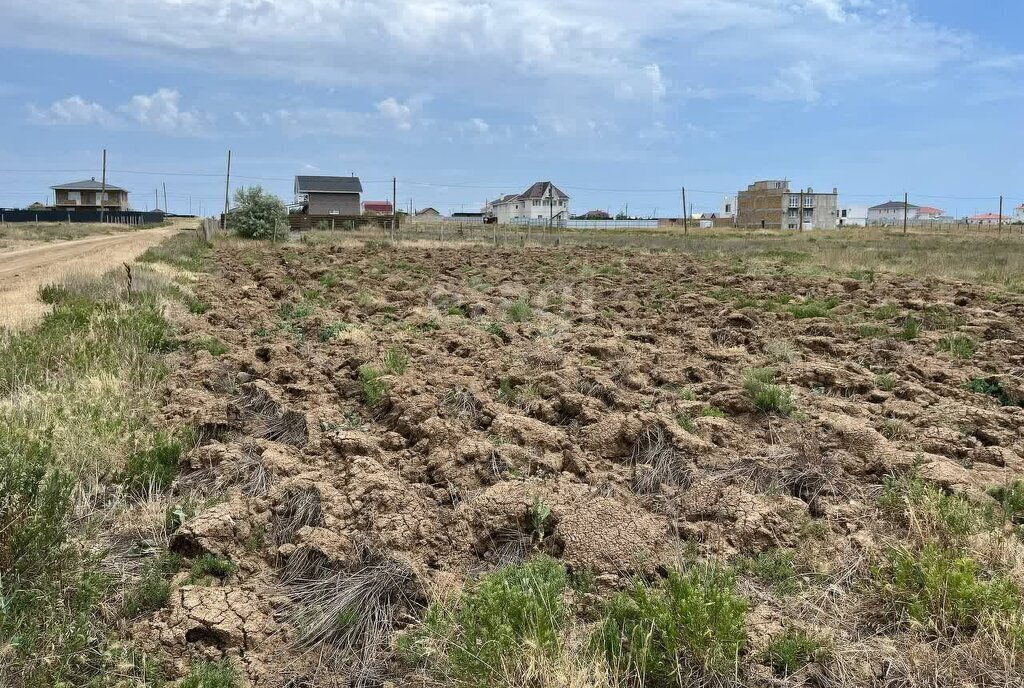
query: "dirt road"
22, 272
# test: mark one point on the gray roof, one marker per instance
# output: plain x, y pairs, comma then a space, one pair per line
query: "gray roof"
539, 190
86, 185
893, 205
308, 184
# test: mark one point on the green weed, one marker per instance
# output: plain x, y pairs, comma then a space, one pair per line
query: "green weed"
152, 590
774, 567
211, 675
959, 345
911, 330
396, 361
993, 388
885, 382
209, 567
793, 650
372, 384
688, 627
765, 394
519, 311
154, 468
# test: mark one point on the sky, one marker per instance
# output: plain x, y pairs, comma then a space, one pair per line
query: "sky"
620, 104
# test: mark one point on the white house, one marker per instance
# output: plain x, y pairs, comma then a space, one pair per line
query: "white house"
1018, 213
542, 202
852, 216
727, 207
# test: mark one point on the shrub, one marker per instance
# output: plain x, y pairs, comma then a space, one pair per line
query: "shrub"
1011, 499
372, 384
688, 627
329, 332
712, 412
794, 649
184, 251
211, 344
208, 567
258, 214
519, 311
506, 619
959, 345
154, 468
766, 395
993, 388
211, 675
944, 591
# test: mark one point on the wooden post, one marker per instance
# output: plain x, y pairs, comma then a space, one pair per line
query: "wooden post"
906, 210
227, 188
686, 219
166, 209
1000, 215
103, 184
394, 207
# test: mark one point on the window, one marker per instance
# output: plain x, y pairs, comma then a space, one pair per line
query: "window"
844, 212
536, 203
74, 196
561, 204
728, 207
794, 201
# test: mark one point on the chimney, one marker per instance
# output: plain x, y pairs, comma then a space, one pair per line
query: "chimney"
835, 190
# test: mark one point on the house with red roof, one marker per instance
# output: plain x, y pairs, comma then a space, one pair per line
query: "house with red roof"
985, 219
377, 208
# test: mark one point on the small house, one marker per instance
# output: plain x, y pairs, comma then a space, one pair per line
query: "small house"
322, 195
90, 194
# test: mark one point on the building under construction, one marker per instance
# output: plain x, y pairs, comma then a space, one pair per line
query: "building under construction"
770, 204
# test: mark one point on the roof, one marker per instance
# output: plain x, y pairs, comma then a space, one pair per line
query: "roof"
316, 184
985, 216
926, 210
427, 211
893, 205
86, 185
377, 205
539, 190
467, 214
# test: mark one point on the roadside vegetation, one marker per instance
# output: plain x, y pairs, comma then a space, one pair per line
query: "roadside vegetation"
78, 450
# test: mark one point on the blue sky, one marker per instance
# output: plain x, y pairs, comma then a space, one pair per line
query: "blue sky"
617, 103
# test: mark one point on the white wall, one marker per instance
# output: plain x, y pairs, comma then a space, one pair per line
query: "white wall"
891, 216
727, 207
856, 216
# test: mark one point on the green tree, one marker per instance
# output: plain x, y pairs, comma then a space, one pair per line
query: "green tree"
258, 214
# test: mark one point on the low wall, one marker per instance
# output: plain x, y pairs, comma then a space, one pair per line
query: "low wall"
117, 217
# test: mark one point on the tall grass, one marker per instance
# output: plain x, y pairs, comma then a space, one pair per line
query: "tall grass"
77, 392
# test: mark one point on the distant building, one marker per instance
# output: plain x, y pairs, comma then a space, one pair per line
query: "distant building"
38, 206
1018, 213
852, 216
319, 195
378, 208
770, 204
86, 195
985, 219
728, 207
927, 214
890, 213
427, 214
595, 215
543, 201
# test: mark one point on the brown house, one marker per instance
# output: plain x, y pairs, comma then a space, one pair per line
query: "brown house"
86, 195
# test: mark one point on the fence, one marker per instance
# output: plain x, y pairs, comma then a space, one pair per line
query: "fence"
299, 221
118, 217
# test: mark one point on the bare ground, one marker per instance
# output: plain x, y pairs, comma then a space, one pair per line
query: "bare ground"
607, 385
25, 270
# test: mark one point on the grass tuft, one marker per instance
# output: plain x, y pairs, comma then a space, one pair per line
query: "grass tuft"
959, 345
793, 650
686, 629
765, 394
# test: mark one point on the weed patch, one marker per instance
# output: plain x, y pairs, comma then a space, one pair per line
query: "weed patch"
959, 345
687, 628
793, 650
765, 394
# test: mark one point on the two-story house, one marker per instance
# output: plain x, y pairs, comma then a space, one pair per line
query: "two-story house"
89, 194
321, 195
542, 202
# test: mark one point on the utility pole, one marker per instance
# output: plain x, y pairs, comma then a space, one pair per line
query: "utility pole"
801, 211
906, 210
227, 188
103, 185
686, 218
394, 206
166, 209
1000, 214
156, 199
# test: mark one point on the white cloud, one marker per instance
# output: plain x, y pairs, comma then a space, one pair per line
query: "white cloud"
74, 110
161, 111
795, 82
523, 55
241, 118
479, 125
